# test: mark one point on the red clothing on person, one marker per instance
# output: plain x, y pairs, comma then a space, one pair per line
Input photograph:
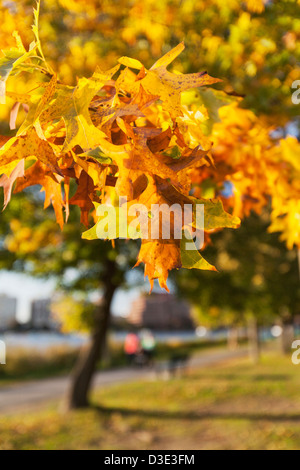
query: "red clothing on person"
131, 344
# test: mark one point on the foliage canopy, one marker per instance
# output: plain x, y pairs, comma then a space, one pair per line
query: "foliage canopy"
154, 136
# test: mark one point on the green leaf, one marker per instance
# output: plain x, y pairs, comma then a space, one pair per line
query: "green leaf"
208, 189
98, 155
215, 216
192, 259
112, 224
175, 153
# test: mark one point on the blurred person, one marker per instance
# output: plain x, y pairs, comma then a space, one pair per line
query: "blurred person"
131, 347
148, 346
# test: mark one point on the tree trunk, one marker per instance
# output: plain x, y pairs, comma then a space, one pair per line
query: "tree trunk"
233, 338
253, 340
81, 381
288, 336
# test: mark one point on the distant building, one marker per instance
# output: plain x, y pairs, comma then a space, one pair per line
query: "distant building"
41, 318
161, 312
8, 312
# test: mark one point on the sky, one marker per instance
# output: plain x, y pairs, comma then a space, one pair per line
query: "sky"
27, 289
24, 289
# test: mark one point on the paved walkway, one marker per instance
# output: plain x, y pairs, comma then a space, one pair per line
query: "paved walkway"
27, 395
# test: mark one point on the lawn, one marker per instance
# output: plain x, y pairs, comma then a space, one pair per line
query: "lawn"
232, 406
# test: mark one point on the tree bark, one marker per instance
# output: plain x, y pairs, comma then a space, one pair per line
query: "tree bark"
233, 338
82, 376
288, 336
253, 339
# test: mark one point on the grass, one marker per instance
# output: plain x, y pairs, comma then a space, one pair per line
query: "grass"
26, 364
233, 406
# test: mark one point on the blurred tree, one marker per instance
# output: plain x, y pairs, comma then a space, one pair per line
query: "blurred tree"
74, 313
31, 242
253, 44
258, 282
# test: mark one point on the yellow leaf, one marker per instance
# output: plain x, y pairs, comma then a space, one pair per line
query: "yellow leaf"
133, 63
169, 57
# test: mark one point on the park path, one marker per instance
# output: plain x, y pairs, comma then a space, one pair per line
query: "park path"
28, 395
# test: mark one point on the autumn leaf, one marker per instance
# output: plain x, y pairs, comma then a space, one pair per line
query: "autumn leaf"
9, 63
159, 257
72, 104
133, 63
169, 86
138, 137
29, 145
84, 196
7, 182
38, 174
169, 57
